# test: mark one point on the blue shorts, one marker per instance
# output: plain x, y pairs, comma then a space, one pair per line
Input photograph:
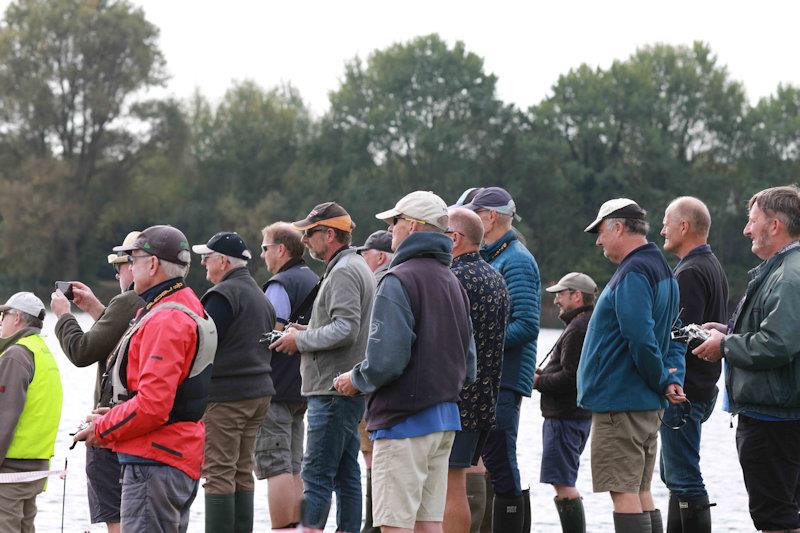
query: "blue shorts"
467, 448
563, 442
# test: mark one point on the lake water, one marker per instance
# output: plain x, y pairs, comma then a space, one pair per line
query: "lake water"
719, 463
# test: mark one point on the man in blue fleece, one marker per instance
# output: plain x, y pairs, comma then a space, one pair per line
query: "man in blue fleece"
420, 354
508, 255
629, 364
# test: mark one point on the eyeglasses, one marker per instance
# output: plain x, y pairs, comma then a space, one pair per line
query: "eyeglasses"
453, 232
676, 415
205, 257
403, 217
265, 247
133, 258
311, 231
6, 312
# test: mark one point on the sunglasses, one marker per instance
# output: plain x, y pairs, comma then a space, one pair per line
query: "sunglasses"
309, 232
676, 415
265, 247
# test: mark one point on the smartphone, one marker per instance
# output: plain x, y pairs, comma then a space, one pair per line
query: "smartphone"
66, 288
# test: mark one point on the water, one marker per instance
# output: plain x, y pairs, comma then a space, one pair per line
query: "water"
718, 452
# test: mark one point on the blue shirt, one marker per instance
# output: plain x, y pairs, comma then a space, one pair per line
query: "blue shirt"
436, 418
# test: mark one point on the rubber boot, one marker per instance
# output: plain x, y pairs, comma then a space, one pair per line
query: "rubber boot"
220, 513
674, 515
570, 512
632, 523
526, 507
476, 496
368, 527
486, 525
695, 514
243, 512
656, 525
508, 514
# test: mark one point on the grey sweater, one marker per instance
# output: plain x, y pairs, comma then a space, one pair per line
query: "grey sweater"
336, 338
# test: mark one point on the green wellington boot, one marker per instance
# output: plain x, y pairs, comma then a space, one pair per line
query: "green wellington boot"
243, 512
220, 513
570, 512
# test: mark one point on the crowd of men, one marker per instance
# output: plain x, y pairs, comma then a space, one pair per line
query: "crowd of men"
416, 350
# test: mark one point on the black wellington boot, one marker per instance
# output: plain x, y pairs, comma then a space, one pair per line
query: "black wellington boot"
509, 514
632, 523
526, 506
570, 512
368, 527
674, 515
696, 514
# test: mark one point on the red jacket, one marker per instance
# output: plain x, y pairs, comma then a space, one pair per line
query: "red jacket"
160, 357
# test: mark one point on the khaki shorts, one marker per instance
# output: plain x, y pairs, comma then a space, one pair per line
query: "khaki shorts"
363, 435
624, 448
409, 479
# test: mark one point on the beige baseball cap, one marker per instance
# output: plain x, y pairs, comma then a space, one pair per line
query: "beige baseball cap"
576, 281
122, 257
423, 206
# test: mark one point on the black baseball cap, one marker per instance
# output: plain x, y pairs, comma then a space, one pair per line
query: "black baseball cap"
165, 242
226, 243
381, 240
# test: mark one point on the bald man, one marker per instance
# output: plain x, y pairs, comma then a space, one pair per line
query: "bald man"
489, 303
703, 296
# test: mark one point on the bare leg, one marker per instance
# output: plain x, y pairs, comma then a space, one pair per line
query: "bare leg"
284, 500
646, 500
627, 502
565, 492
456, 509
113, 527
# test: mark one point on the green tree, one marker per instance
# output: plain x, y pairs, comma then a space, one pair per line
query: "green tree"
69, 70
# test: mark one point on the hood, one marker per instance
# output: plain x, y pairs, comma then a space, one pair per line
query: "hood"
426, 244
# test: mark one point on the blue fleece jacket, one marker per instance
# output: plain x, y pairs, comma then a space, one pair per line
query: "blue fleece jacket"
628, 356
519, 269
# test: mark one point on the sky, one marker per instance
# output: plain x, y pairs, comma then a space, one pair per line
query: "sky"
209, 44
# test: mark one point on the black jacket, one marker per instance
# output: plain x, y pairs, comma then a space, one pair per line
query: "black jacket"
557, 381
704, 298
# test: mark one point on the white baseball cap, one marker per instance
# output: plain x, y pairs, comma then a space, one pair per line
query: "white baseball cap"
616, 208
27, 302
424, 206
576, 281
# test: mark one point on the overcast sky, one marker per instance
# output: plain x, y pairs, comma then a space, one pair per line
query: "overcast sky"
527, 44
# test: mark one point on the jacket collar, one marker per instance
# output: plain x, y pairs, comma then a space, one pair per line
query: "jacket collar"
569, 316
425, 244
5, 342
469, 257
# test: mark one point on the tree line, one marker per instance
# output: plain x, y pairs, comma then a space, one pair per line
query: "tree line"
84, 158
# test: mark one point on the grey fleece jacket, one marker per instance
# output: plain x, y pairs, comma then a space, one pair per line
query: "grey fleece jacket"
336, 338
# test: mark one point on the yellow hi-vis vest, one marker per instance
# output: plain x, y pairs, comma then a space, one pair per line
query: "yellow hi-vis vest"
35, 435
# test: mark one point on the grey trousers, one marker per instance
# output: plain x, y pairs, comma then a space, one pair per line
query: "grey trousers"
156, 499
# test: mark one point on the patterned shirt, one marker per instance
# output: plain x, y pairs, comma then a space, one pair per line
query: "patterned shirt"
489, 305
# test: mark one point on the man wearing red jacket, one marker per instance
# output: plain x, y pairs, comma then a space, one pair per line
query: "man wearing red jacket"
159, 377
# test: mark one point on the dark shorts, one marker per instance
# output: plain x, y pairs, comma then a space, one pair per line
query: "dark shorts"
102, 484
563, 442
467, 448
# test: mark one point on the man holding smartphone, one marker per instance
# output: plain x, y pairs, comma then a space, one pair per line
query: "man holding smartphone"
94, 346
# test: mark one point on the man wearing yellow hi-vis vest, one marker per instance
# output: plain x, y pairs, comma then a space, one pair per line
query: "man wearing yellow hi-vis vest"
30, 407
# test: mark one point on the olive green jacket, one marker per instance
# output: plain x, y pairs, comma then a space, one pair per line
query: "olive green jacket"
763, 351
95, 345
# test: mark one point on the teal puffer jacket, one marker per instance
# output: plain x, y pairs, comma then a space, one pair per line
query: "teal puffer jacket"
521, 273
763, 352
